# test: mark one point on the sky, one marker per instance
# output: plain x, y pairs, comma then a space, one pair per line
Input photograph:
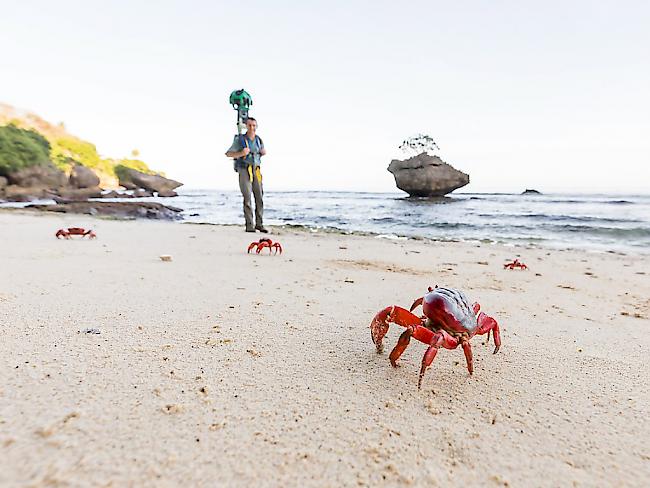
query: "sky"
548, 95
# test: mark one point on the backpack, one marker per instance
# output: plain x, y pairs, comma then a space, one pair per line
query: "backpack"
243, 142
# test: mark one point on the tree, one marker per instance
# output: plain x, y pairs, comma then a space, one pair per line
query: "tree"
419, 143
20, 148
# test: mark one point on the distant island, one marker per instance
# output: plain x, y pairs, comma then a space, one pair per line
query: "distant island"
39, 159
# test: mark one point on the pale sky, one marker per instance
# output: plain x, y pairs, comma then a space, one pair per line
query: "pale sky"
549, 95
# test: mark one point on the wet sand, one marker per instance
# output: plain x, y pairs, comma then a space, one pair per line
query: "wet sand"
226, 369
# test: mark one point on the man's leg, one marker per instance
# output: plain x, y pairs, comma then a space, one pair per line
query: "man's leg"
258, 192
245, 186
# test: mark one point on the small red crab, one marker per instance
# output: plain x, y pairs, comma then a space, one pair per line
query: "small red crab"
449, 321
265, 242
515, 264
75, 231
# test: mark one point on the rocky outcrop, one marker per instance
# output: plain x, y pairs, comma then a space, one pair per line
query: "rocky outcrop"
3, 182
40, 176
15, 193
132, 179
124, 210
426, 176
167, 194
78, 194
529, 191
115, 194
83, 177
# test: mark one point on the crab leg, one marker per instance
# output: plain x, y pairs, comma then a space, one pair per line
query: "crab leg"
416, 303
438, 339
487, 324
401, 345
467, 349
428, 358
251, 246
278, 247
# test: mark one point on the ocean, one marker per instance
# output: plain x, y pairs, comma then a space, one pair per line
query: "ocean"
594, 222
619, 223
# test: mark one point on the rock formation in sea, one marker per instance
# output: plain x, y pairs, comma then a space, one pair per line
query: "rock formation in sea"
426, 176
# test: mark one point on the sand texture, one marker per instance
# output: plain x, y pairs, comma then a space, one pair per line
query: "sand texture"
219, 368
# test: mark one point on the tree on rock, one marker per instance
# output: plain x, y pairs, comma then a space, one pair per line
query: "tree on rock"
418, 144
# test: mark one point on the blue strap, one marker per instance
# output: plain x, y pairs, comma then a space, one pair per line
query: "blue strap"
243, 141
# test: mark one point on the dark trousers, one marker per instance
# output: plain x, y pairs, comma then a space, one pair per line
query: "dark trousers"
253, 185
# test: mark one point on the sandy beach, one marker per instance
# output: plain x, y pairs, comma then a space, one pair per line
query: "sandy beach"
226, 369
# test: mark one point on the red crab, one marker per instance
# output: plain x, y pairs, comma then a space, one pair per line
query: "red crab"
515, 264
265, 242
75, 231
449, 321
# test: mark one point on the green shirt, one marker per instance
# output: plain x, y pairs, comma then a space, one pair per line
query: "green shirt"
255, 146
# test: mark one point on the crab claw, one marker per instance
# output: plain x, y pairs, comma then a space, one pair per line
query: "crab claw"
379, 327
251, 246
397, 315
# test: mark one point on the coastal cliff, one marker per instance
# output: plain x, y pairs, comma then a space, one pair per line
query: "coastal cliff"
39, 159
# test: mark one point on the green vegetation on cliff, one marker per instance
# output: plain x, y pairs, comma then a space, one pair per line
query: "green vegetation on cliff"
66, 151
20, 148
27, 137
135, 164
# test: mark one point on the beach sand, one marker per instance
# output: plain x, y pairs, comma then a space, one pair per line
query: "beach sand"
226, 369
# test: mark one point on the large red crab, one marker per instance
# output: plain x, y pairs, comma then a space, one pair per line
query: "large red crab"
265, 242
449, 321
75, 231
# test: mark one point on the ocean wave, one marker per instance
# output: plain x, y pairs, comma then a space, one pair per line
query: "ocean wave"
618, 232
557, 218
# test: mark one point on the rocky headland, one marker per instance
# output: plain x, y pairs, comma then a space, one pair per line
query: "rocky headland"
40, 160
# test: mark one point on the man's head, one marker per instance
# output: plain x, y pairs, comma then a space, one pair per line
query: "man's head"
251, 125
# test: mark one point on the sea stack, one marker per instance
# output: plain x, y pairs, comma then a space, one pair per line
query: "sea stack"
426, 176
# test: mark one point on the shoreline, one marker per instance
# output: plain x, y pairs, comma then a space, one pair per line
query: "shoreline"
360, 233
221, 360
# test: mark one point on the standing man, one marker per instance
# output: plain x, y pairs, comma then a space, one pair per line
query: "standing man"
247, 150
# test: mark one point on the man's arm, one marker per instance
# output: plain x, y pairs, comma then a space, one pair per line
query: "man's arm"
238, 154
235, 150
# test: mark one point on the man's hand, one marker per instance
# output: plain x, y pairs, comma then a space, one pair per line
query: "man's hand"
245, 152
262, 152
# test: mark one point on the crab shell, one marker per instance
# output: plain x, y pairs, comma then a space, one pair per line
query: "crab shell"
451, 310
